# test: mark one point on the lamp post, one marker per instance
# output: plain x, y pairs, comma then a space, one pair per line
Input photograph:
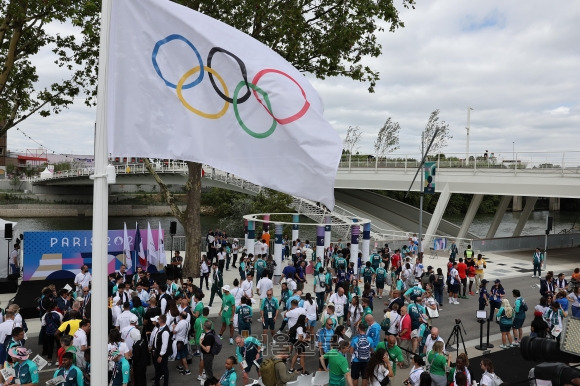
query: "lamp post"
467, 128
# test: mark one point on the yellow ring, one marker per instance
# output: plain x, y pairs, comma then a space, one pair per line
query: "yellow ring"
191, 108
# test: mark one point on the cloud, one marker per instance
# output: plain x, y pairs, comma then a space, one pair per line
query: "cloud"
562, 110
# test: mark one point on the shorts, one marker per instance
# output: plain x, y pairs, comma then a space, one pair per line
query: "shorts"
312, 323
505, 327
471, 279
518, 322
300, 347
226, 319
380, 284
415, 333
328, 289
182, 351
268, 324
357, 369
454, 288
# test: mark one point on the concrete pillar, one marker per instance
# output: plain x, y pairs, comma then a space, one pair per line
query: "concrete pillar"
277, 252
554, 204
499, 212
251, 237
327, 230
320, 239
296, 221
471, 211
355, 233
530, 203
517, 204
437, 216
366, 242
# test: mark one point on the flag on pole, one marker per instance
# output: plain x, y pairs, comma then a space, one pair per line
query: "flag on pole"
161, 247
139, 252
151, 250
127, 249
182, 85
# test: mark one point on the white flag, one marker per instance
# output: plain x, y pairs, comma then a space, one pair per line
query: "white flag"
152, 258
127, 249
161, 247
182, 85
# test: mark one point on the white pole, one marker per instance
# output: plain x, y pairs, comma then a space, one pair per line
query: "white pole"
99, 333
467, 128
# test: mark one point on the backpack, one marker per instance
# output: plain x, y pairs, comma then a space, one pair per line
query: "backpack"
141, 356
217, 346
363, 348
386, 323
268, 371
524, 307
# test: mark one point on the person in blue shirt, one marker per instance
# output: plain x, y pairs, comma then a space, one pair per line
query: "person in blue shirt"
248, 351
497, 294
373, 331
229, 377
324, 338
360, 348
73, 375
25, 369
245, 313
483, 295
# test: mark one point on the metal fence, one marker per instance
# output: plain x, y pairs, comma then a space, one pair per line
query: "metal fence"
527, 242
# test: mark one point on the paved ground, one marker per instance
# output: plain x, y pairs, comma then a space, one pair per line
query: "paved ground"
514, 269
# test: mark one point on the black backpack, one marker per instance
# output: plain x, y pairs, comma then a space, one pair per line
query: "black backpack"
141, 356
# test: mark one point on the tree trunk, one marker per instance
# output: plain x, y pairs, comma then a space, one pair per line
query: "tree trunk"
192, 223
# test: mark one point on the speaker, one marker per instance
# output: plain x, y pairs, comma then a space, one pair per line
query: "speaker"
548, 223
172, 228
8, 231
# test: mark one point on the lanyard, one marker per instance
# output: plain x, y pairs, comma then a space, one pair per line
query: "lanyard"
225, 376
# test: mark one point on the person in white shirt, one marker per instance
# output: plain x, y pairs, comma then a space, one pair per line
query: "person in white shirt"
431, 339
143, 295
83, 279
311, 309
248, 286
125, 318
237, 292
180, 331
291, 283
130, 335
264, 284
294, 313
340, 300
454, 281
80, 342
7, 326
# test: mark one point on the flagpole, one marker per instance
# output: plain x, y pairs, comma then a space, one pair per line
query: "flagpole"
99, 333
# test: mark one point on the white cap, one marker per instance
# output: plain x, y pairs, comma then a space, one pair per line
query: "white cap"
133, 319
155, 319
226, 288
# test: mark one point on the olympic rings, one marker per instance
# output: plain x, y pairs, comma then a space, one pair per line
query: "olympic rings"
212, 52
292, 118
194, 110
269, 108
263, 99
158, 70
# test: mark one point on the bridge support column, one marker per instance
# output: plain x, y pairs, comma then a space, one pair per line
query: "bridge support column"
436, 218
517, 204
277, 252
530, 203
500, 211
366, 242
251, 237
355, 233
295, 220
471, 211
554, 204
327, 230
320, 240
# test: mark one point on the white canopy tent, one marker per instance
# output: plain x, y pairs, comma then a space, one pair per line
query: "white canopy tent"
6, 247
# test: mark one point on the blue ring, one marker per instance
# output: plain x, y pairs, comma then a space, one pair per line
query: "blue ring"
158, 70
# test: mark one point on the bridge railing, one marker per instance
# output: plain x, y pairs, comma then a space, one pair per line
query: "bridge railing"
549, 162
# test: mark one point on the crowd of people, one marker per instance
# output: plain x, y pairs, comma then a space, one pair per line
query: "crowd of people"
152, 323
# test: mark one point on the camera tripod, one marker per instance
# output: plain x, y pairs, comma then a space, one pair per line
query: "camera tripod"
456, 338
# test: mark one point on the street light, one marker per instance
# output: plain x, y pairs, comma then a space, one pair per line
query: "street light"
467, 128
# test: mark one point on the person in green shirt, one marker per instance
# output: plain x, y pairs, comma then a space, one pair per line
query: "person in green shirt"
259, 266
437, 364
380, 278
367, 310
337, 365
138, 310
368, 273
340, 261
244, 312
227, 312
375, 260
198, 309
198, 327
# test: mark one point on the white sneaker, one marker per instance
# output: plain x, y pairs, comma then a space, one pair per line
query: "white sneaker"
450, 300
533, 275
455, 302
477, 291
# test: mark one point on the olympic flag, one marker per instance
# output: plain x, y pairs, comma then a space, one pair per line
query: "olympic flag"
182, 85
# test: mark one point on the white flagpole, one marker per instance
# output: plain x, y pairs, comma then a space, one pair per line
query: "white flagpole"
99, 333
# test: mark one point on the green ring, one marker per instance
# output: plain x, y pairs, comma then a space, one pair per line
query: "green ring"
236, 112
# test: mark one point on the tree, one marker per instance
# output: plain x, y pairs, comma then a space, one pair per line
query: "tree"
443, 134
23, 34
352, 139
388, 138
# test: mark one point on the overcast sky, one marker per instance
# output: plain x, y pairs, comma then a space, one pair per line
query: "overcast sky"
516, 63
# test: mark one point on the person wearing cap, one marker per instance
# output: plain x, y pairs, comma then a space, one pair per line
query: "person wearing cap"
227, 312
217, 282
72, 374
25, 369
80, 341
121, 370
483, 295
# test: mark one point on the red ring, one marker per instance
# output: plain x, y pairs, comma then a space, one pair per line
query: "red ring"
292, 118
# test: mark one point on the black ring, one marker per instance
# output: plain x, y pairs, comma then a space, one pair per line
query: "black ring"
242, 69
